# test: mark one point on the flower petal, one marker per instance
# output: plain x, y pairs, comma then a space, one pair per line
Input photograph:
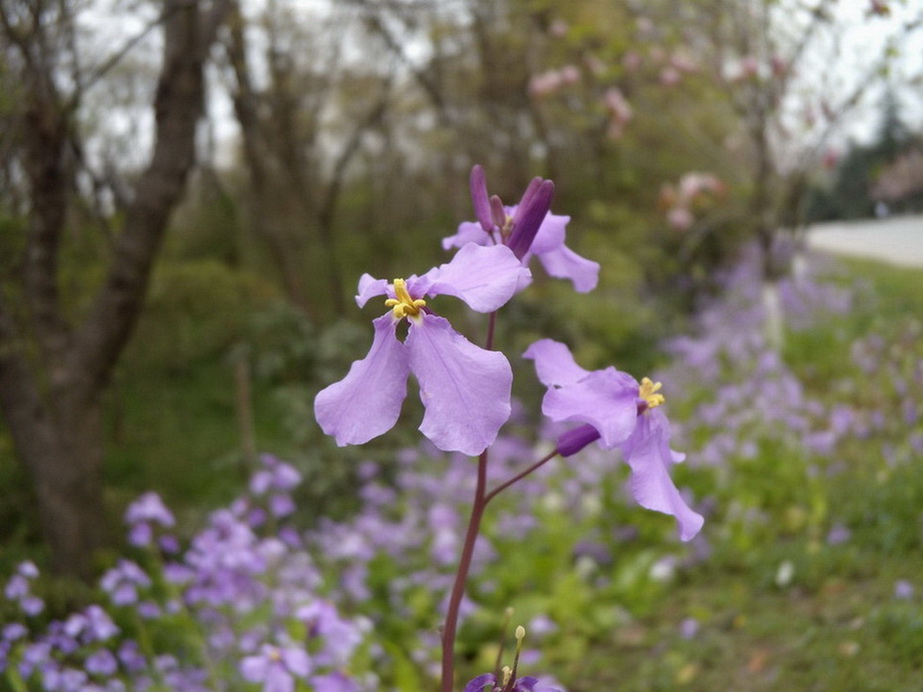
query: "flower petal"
647, 451
606, 399
564, 263
367, 402
554, 363
481, 682
465, 389
297, 661
369, 287
550, 234
484, 277
254, 668
468, 232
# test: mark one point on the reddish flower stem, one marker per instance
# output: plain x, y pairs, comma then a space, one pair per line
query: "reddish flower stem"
461, 576
464, 562
519, 476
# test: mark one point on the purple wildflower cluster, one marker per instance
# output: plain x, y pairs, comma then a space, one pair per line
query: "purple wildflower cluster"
757, 406
242, 600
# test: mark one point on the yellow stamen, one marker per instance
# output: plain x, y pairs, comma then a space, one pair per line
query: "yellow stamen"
404, 305
648, 391
507, 674
507, 227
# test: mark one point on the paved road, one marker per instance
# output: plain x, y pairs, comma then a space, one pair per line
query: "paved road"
898, 240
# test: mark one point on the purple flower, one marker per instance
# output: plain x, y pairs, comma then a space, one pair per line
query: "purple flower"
488, 683
18, 589
341, 637
334, 682
101, 662
122, 582
465, 389
619, 412
99, 626
277, 475
276, 667
903, 589
149, 508
528, 228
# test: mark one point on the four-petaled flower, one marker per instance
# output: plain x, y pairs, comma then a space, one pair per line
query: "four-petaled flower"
617, 410
528, 228
465, 389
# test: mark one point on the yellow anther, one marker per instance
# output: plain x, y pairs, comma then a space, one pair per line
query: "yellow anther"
404, 305
520, 633
648, 391
507, 674
507, 228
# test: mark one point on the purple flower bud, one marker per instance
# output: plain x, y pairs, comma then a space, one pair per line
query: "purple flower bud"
497, 211
573, 441
529, 215
478, 182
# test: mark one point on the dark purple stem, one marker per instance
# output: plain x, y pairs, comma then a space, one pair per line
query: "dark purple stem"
464, 562
461, 576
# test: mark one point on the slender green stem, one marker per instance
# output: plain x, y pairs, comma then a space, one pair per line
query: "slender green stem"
519, 476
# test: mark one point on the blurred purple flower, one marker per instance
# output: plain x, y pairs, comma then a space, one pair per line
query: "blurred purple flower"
101, 662
465, 389
688, 628
276, 667
99, 626
619, 412
903, 590
149, 508
276, 475
18, 589
528, 228
838, 534
334, 682
341, 637
488, 683
122, 582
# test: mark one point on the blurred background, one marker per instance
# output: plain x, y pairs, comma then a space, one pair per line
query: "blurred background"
190, 192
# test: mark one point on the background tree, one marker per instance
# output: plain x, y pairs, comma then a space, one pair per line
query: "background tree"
57, 349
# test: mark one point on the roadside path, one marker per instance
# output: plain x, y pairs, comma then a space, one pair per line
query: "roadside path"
898, 240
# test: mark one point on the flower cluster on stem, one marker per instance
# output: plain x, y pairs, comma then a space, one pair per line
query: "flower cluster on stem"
465, 389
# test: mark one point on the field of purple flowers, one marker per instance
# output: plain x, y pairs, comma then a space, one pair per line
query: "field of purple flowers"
801, 458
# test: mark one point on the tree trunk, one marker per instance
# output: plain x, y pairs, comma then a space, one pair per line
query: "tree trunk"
53, 374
